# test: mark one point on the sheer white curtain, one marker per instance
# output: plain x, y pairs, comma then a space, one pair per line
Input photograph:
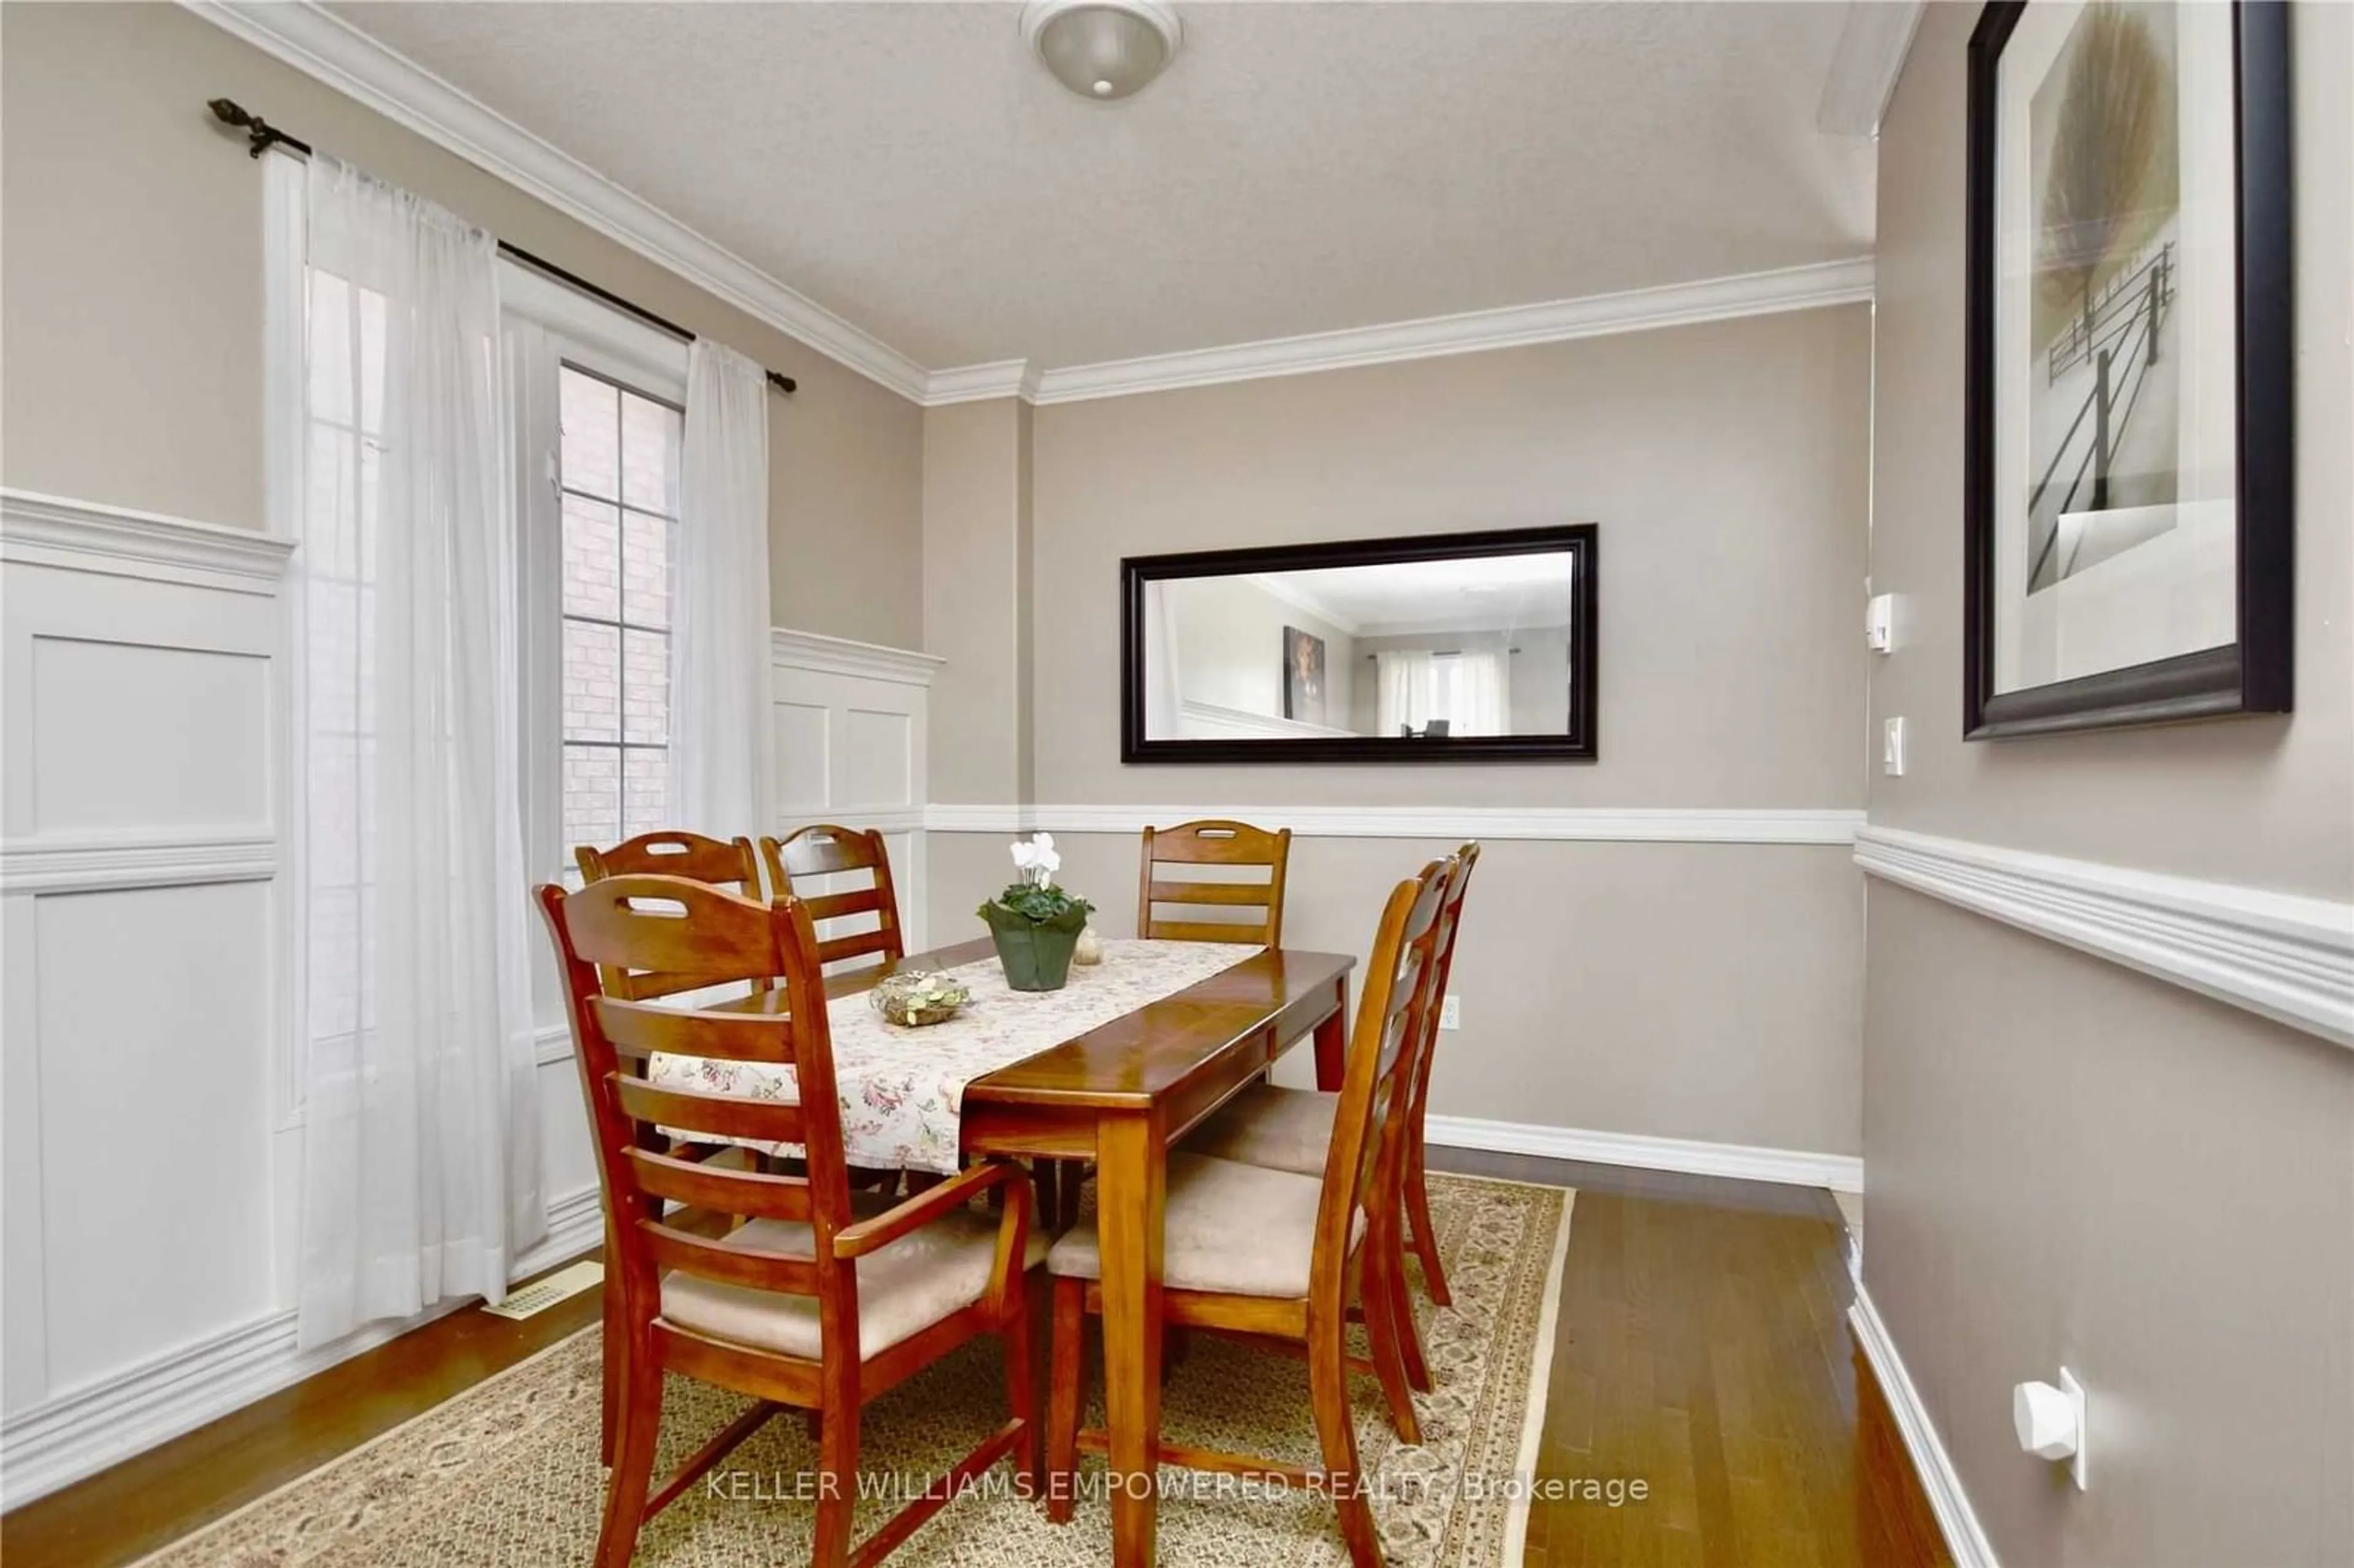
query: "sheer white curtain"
1467, 689
719, 702
420, 1167
1409, 690
1475, 701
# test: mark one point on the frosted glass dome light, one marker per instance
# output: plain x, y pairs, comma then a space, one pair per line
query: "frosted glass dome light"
1103, 49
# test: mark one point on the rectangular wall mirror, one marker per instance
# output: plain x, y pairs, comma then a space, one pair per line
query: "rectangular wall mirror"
1443, 647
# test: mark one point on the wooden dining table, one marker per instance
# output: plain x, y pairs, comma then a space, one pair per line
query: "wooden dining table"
1120, 1094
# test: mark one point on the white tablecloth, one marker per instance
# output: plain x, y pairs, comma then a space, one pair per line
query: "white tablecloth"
902, 1089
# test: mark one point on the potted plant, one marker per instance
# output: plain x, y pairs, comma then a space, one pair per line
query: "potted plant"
1034, 922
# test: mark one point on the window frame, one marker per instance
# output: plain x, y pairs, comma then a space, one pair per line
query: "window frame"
549, 326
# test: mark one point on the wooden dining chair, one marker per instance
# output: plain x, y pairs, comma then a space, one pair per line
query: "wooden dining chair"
765, 1284
1291, 1129
1218, 844
668, 851
823, 850
1271, 1255
717, 863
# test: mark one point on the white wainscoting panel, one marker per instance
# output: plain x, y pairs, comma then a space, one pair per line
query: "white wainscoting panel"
849, 729
155, 1106
2287, 958
140, 922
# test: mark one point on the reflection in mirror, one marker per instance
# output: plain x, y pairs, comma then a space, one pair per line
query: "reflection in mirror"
1417, 651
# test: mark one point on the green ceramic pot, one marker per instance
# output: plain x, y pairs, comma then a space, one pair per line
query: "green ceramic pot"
1037, 957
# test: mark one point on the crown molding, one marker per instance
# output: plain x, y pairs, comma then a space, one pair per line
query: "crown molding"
1873, 41
841, 656
2286, 958
321, 45
978, 383
1281, 586
1472, 331
119, 541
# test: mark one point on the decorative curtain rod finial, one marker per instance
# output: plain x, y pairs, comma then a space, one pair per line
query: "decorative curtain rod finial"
260, 134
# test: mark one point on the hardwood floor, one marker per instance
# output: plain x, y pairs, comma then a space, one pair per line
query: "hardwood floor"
1702, 1349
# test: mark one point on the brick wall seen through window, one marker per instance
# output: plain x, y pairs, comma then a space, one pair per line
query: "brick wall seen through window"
618, 472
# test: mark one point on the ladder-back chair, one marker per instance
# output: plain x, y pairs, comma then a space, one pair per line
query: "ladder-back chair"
766, 1284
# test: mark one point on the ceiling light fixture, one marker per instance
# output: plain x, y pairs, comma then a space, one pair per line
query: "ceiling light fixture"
1103, 49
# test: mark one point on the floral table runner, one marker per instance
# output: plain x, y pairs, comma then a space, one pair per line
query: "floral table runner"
902, 1089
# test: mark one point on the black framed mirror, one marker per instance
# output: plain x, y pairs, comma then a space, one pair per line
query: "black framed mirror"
1436, 648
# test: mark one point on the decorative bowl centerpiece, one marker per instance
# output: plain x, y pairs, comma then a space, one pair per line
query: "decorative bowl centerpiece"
1036, 924
918, 997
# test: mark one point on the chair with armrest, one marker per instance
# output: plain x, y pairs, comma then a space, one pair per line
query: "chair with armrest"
765, 1284
1270, 1255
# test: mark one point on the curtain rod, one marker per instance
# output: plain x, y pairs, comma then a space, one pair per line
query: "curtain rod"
260, 136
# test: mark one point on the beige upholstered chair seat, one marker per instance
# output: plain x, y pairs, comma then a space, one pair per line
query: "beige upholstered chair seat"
1230, 1229
1284, 1129
903, 1288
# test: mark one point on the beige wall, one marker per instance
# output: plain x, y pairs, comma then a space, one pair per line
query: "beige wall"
976, 569
2069, 1163
1704, 991
2255, 799
132, 304
1726, 464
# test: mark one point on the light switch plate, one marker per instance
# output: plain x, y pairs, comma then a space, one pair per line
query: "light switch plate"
1880, 622
1450, 1012
1892, 747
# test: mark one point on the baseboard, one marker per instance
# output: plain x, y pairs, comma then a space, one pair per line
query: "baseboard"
575, 1222
1840, 1173
79, 1433
1964, 1538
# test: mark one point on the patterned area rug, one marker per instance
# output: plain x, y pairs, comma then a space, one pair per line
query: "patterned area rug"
505, 1475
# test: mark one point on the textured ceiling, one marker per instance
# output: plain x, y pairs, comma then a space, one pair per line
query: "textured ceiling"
1301, 168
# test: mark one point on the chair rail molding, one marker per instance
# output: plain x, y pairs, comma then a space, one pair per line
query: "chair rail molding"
2287, 958
39, 530
1956, 1520
1571, 823
825, 655
87, 862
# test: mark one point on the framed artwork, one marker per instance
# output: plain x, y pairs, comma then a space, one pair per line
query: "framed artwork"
2127, 478
1303, 675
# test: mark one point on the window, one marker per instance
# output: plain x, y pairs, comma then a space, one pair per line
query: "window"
617, 482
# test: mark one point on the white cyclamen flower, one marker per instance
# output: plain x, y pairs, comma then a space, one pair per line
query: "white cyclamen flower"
1036, 859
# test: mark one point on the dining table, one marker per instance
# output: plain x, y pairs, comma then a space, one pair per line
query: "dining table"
1120, 1094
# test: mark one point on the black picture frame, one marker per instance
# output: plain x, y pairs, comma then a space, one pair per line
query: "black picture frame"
2253, 673
1576, 743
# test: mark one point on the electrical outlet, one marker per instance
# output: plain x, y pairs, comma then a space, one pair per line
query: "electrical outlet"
1450, 1012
